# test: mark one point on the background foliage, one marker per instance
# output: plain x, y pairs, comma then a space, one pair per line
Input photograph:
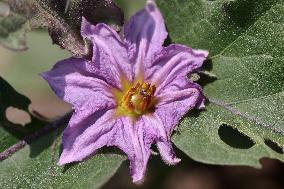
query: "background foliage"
245, 41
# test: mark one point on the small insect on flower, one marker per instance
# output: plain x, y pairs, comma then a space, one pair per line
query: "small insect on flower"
131, 94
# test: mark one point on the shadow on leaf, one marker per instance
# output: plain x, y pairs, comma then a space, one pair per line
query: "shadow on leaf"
157, 174
205, 76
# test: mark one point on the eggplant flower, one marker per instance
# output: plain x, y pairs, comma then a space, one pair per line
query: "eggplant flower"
131, 94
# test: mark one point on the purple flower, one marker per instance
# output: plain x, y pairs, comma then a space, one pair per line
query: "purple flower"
132, 93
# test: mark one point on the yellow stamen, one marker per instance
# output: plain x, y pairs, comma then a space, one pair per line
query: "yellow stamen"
138, 98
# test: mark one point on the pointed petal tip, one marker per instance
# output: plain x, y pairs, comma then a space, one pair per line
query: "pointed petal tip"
151, 2
45, 76
86, 27
138, 179
172, 161
84, 19
138, 169
65, 158
61, 162
137, 174
169, 157
200, 103
205, 53
201, 106
167, 153
175, 161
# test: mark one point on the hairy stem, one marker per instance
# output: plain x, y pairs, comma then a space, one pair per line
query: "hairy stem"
32, 137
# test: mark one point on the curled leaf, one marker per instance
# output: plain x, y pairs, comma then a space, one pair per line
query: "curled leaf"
62, 18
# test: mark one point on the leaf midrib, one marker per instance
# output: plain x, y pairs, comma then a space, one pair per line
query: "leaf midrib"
254, 119
253, 99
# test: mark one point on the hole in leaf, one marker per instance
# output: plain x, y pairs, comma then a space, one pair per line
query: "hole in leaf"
234, 138
17, 116
274, 146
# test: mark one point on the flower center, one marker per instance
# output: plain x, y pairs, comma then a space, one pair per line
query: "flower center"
139, 98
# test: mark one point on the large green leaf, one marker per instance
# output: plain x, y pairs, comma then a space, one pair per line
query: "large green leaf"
62, 18
243, 120
22, 171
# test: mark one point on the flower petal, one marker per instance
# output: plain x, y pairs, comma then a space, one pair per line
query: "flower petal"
73, 81
171, 66
156, 129
85, 134
167, 153
145, 34
133, 139
109, 52
176, 93
173, 105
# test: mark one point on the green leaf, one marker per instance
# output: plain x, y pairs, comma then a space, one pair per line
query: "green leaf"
22, 171
243, 121
62, 18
